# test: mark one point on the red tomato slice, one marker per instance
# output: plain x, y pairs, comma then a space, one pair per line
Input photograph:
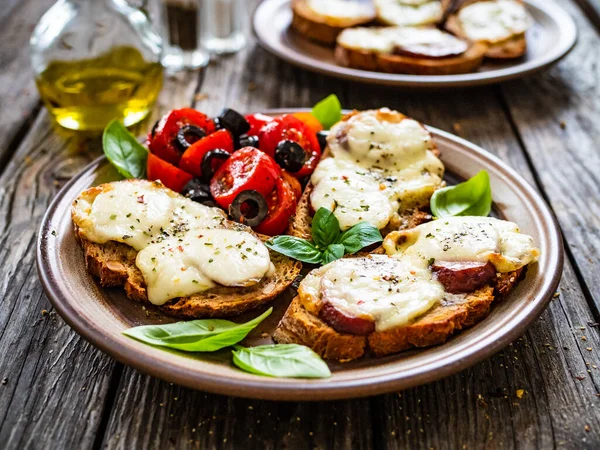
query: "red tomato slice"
291, 128
256, 122
248, 168
162, 142
294, 184
171, 176
282, 205
192, 158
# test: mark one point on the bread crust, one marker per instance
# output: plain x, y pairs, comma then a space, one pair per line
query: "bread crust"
320, 28
452, 314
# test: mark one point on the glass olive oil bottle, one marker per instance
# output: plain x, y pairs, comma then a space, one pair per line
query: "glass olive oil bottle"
96, 60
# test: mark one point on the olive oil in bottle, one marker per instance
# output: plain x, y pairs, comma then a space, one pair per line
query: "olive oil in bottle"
86, 94
95, 61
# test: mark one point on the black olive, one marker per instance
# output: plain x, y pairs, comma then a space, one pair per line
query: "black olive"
322, 137
187, 135
206, 165
154, 127
247, 141
255, 210
232, 121
197, 191
290, 155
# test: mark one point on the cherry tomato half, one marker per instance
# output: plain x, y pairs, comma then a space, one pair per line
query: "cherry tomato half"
256, 122
248, 168
282, 205
288, 127
192, 158
171, 176
294, 184
162, 141
310, 120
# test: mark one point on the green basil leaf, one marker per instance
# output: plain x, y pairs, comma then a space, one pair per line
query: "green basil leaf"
359, 236
207, 335
471, 198
123, 150
328, 111
281, 360
296, 248
333, 252
325, 228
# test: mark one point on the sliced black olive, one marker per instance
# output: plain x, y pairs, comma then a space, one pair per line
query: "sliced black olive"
247, 141
154, 127
187, 135
206, 167
322, 137
232, 121
197, 191
290, 155
254, 205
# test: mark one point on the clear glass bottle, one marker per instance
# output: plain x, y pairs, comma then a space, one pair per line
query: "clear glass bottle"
96, 60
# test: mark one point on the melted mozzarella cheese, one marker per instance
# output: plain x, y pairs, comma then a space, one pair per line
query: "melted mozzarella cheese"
409, 12
182, 245
140, 212
378, 40
390, 291
494, 21
480, 239
379, 168
341, 9
179, 267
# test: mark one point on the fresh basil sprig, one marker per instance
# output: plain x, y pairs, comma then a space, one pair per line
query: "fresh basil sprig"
123, 150
281, 360
471, 198
328, 242
328, 111
207, 335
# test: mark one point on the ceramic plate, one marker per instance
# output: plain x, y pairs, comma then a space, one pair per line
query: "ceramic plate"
551, 38
101, 315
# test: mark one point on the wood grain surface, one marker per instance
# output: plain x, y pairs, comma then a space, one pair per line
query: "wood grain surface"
542, 391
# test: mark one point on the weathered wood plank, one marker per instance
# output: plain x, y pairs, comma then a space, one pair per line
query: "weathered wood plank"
556, 115
56, 386
553, 410
592, 9
19, 99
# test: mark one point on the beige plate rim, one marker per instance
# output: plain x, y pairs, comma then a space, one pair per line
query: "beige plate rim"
270, 38
393, 374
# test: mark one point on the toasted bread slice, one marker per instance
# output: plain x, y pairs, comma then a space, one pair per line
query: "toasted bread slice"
382, 58
512, 47
452, 314
324, 25
114, 263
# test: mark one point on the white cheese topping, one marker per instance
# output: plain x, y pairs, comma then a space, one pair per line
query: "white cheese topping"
379, 167
494, 21
388, 290
480, 239
341, 9
378, 40
181, 267
183, 248
409, 12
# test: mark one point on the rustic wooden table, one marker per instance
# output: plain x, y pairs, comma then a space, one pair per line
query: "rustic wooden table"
57, 391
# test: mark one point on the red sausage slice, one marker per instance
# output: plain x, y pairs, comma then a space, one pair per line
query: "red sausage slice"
459, 277
344, 323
